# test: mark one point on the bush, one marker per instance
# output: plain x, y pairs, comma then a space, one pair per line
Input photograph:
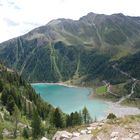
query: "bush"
111, 116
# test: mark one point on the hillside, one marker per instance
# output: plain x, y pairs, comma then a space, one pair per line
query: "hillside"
25, 115
18, 104
66, 49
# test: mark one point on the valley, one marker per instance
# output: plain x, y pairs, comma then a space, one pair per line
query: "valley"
97, 51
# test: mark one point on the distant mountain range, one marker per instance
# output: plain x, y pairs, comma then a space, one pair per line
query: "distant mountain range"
77, 50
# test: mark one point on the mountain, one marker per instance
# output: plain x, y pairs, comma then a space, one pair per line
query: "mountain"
75, 50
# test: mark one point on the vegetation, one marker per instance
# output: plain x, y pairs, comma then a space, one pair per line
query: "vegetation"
22, 106
37, 130
111, 116
85, 57
89, 54
131, 65
101, 90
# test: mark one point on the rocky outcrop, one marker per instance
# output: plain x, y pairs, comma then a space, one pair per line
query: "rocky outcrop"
103, 131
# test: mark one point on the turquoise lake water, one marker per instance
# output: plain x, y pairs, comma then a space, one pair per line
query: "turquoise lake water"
71, 99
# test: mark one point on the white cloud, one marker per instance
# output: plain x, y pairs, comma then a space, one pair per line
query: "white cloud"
28, 14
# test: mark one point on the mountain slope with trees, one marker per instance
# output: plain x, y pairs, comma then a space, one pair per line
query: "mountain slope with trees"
66, 49
24, 113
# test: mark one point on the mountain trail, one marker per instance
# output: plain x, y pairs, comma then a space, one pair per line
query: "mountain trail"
132, 87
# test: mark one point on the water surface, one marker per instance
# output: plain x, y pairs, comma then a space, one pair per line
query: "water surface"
71, 99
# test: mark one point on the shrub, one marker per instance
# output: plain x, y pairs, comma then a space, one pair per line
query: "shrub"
111, 116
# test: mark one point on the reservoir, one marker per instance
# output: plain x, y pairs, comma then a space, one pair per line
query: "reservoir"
71, 99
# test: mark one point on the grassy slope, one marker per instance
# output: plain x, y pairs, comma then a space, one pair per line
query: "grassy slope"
101, 90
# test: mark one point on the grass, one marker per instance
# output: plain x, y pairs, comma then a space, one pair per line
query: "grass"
101, 90
76, 128
132, 102
122, 53
120, 89
125, 120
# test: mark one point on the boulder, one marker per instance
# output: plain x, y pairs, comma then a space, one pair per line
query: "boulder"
62, 135
130, 135
83, 132
126, 139
7, 133
83, 137
89, 132
89, 128
44, 138
75, 134
136, 137
115, 138
114, 134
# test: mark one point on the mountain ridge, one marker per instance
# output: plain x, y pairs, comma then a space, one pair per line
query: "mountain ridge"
45, 52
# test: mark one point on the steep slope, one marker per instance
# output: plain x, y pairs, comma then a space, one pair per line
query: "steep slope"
21, 109
66, 49
14, 88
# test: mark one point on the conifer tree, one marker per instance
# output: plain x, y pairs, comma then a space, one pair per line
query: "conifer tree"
10, 104
86, 116
16, 117
57, 118
36, 125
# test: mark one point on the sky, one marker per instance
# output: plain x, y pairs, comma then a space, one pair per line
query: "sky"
18, 17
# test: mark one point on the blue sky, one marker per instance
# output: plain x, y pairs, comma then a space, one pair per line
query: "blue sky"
17, 17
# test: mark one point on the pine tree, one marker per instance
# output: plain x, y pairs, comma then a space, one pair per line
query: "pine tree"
10, 104
4, 97
1, 86
86, 116
16, 117
57, 118
36, 125
68, 121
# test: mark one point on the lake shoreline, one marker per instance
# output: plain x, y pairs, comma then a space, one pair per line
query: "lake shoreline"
60, 84
118, 109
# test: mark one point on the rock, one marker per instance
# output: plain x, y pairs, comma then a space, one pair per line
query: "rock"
61, 135
136, 137
115, 138
75, 134
89, 132
94, 124
44, 138
114, 134
83, 137
22, 125
94, 128
126, 126
98, 138
101, 124
83, 132
89, 128
126, 139
130, 135
6, 132
136, 132
65, 136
